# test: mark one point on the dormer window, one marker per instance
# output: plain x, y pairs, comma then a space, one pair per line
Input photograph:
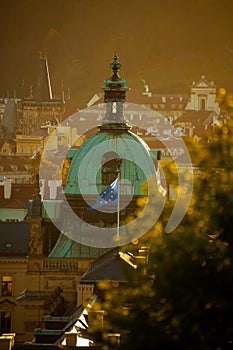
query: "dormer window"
8, 245
27, 166
14, 167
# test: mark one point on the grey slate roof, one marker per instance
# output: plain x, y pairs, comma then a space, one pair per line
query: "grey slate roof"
108, 266
14, 237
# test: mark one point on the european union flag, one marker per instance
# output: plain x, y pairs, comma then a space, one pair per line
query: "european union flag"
109, 196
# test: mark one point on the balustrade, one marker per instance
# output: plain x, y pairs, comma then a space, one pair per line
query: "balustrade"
60, 264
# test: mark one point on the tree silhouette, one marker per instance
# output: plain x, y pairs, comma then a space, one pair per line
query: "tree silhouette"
182, 297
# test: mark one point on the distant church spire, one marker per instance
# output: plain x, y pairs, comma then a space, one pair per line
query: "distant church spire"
115, 95
43, 90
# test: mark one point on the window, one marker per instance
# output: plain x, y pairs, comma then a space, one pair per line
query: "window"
6, 285
202, 104
110, 167
114, 107
5, 322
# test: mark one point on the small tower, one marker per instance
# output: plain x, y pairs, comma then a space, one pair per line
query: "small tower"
40, 108
114, 96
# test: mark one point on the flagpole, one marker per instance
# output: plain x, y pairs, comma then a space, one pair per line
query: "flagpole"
118, 209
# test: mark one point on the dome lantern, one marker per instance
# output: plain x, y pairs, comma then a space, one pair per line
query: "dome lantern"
114, 96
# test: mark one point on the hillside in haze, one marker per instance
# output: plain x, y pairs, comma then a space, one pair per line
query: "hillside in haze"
167, 43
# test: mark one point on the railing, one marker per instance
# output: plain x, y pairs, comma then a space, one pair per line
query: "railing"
60, 264
40, 264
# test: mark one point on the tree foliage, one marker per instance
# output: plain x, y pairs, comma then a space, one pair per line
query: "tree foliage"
225, 101
40, 165
182, 297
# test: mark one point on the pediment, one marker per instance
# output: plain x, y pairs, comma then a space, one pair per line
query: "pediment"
202, 84
6, 303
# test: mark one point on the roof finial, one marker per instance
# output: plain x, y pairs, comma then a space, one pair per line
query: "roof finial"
115, 65
115, 87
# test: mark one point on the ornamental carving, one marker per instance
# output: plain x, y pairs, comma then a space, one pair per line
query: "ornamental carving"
35, 242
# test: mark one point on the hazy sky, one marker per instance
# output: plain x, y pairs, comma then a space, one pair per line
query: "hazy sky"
169, 43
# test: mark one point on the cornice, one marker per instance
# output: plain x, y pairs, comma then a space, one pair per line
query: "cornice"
13, 260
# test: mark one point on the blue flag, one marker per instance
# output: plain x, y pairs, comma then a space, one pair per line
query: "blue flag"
109, 196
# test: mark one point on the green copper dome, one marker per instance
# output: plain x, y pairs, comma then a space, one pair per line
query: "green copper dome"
87, 170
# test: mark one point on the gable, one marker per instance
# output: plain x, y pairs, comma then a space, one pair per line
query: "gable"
202, 84
6, 304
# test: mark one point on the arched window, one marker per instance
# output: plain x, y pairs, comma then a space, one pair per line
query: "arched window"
110, 167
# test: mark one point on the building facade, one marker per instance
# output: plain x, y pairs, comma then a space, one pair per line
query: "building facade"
203, 96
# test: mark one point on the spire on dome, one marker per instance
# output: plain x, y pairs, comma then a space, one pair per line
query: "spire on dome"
114, 95
115, 88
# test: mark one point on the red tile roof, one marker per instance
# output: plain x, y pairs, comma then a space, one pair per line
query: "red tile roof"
20, 195
20, 161
201, 121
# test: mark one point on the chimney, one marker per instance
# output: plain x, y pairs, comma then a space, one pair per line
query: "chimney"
71, 339
164, 99
7, 188
7, 341
53, 185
